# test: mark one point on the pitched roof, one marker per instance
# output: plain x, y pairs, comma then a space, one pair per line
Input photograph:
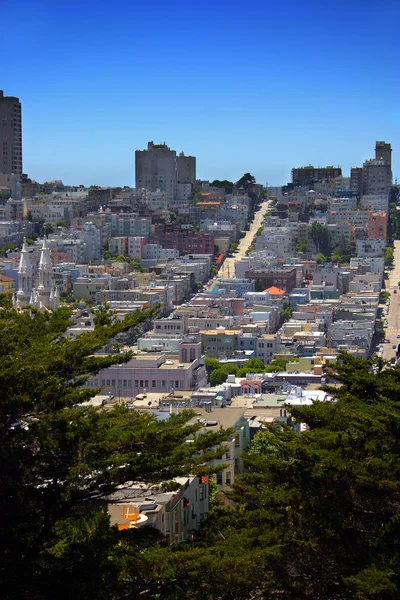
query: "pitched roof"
275, 291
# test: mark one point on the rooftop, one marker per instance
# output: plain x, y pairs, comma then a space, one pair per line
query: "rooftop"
275, 291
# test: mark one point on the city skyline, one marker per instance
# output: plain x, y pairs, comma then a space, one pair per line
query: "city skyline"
223, 85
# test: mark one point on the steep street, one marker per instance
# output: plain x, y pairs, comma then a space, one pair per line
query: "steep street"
393, 317
228, 267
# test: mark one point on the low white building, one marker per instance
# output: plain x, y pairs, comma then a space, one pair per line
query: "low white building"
370, 248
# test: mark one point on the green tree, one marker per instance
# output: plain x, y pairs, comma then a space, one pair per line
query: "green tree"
342, 252
255, 363
122, 258
211, 365
218, 376
61, 224
320, 259
48, 228
107, 255
379, 331
302, 246
246, 181
227, 185
5, 248
321, 238
276, 365
316, 512
286, 314
230, 369
60, 460
389, 257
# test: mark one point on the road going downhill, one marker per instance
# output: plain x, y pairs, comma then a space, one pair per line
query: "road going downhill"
228, 267
393, 316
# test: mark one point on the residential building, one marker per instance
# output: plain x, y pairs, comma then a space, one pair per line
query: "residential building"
219, 343
11, 138
186, 169
266, 278
135, 246
176, 514
377, 225
150, 371
370, 248
6, 284
375, 202
356, 174
156, 169
309, 175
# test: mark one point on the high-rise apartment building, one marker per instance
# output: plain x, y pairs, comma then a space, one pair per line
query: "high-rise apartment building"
156, 169
186, 169
377, 172
10, 136
356, 179
383, 151
309, 175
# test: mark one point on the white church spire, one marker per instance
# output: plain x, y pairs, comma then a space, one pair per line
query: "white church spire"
25, 276
45, 276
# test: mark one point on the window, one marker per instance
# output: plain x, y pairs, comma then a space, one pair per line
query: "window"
201, 493
219, 478
153, 383
228, 478
237, 440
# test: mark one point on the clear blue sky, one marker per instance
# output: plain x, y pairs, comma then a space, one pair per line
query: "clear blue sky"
256, 85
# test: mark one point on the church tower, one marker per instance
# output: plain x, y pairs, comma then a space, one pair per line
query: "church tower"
25, 275
45, 271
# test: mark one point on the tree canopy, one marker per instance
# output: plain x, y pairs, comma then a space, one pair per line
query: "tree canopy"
320, 236
225, 184
246, 181
317, 513
60, 458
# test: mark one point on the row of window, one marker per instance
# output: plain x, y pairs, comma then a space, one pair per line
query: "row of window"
137, 383
228, 478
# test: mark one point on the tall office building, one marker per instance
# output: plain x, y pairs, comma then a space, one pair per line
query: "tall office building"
10, 137
186, 169
156, 169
